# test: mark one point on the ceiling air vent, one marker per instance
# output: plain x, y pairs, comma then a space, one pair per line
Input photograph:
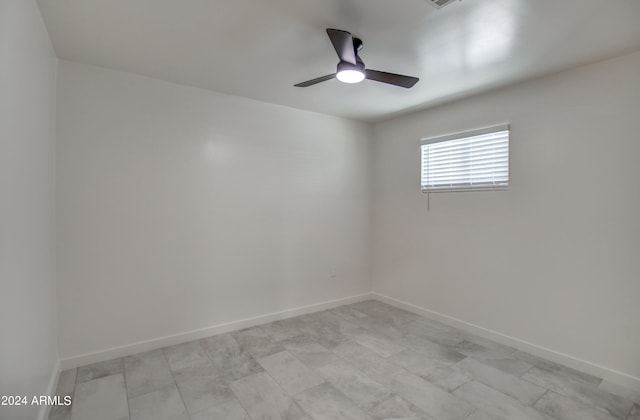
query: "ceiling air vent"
439, 4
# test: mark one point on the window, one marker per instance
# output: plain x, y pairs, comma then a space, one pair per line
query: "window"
469, 161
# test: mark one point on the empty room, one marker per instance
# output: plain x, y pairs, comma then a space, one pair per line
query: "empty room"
319, 210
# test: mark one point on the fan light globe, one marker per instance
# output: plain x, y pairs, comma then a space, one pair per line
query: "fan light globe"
350, 76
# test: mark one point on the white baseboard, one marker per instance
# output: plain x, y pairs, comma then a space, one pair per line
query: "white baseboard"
43, 414
600, 371
157, 343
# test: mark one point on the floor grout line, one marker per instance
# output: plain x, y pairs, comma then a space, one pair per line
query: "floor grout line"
126, 389
546, 391
242, 404
523, 373
175, 383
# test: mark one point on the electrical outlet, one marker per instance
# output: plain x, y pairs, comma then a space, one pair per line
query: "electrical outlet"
333, 272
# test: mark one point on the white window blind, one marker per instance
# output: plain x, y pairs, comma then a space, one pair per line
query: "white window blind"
469, 161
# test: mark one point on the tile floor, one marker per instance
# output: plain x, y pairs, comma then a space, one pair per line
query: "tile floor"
363, 361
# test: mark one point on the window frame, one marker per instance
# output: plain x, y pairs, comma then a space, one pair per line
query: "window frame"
459, 136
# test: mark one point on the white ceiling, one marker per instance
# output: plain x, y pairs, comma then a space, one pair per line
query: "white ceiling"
260, 48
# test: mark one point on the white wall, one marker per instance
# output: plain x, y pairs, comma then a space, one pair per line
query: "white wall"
180, 208
28, 338
554, 261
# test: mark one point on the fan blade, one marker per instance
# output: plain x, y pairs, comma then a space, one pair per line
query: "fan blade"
391, 78
343, 43
314, 81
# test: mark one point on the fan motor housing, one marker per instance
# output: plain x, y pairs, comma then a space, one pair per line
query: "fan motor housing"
438, 4
343, 65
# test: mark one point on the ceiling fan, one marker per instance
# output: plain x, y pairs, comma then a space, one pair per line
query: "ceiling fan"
351, 68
